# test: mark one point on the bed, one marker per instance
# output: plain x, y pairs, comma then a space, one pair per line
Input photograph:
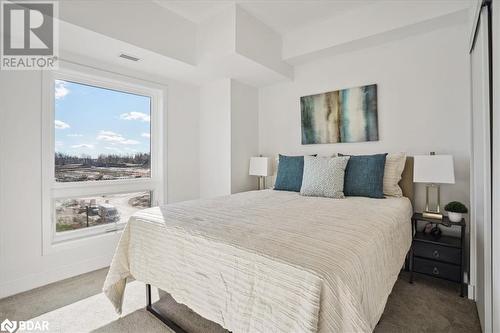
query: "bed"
271, 261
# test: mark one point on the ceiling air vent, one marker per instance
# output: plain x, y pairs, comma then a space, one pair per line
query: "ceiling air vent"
129, 57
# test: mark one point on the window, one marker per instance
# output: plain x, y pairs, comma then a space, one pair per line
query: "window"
100, 134
77, 213
102, 152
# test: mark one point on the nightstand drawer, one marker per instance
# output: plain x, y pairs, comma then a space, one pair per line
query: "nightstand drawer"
437, 269
437, 252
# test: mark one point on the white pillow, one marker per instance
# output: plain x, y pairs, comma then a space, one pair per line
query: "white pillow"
324, 176
394, 166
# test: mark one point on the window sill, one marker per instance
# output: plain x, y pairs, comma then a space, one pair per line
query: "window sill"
105, 235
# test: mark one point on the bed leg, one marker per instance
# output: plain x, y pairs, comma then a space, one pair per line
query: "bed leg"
149, 307
148, 295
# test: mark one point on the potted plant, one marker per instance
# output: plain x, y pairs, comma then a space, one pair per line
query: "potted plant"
455, 211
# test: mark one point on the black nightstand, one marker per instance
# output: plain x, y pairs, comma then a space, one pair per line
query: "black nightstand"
442, 257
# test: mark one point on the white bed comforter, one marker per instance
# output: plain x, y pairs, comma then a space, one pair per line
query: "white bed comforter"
269, 261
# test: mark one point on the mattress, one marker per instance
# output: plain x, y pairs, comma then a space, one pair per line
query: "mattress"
269, 261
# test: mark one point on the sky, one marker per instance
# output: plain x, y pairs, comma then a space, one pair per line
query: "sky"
93, 121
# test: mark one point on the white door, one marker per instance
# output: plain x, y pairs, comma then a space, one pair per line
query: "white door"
496, 167
481, 175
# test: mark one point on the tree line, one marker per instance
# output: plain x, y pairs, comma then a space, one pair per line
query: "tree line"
103, 160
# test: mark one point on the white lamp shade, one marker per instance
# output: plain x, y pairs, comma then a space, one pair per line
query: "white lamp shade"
259, 166
434, 169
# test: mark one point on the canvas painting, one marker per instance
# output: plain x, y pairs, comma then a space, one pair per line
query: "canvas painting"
347, 115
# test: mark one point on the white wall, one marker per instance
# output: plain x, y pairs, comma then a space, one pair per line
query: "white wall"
423, 101
215, 138
244, 135
228, 137
183, 144
22, 265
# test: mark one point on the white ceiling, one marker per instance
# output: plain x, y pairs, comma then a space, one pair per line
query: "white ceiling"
106, 50
290, 17
281, 15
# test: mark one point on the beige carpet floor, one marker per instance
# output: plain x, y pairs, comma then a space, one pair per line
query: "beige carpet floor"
77, 305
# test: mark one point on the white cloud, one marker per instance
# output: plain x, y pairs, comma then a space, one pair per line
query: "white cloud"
60, 89
107, 133
59, 124
84, 146
146, 135
130, 142
75, 135
59, 143
113, 148
115, 138
135, 116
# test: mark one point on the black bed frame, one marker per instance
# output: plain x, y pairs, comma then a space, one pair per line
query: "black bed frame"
168, 322
149, 307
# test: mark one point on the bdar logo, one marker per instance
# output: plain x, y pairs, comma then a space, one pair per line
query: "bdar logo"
8, 326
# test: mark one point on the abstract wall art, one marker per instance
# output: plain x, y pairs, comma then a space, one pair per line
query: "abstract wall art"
347, 115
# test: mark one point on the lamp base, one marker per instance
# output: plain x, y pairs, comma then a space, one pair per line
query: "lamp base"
261, 183
432, 215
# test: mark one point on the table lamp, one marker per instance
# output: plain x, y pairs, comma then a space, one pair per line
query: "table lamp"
260, 166
433, 170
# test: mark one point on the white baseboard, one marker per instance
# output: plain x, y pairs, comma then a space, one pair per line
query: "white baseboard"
36, 280
470, 292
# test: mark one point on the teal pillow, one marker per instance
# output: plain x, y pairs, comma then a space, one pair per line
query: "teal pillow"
290, 171
364, 176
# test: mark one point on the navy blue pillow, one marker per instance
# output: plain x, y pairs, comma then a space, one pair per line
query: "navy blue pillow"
290, 172
364, 176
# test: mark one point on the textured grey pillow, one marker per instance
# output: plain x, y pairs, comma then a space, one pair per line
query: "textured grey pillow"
324, 176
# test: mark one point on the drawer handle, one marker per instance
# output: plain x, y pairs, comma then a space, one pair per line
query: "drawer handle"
435, 254
435, 271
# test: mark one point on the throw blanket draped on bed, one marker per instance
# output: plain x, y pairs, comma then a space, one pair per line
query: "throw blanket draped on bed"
270, 261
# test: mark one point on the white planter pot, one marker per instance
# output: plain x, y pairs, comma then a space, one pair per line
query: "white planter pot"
455, 217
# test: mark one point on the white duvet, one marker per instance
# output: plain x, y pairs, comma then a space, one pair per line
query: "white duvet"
270, 261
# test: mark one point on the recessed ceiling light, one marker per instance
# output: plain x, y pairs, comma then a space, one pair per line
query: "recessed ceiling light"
129, 57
